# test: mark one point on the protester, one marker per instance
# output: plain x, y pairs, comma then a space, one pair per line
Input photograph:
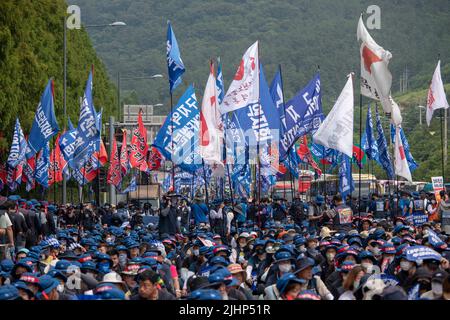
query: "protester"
315, 253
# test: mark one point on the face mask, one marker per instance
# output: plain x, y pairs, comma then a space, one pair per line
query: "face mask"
103, 267
330, 256
250, 247
196, 252
367, 266
376, 251
436, 287
405, 265
355, 285
123, 258
302, 249
60, 288
285, 268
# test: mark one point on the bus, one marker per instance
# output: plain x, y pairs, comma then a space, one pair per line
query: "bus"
329, 184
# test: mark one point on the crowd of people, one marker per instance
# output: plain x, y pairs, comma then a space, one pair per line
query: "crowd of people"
327, 248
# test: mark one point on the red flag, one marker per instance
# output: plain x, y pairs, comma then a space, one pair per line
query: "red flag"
139, 147
281, 168
358, 155
89, 171
57, 161
124, 159
103, 155
306, 156
114, 172
154, 159
3, 174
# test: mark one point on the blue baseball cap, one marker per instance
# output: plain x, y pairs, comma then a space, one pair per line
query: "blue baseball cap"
46, 284
205, 294
287, 278
9, 292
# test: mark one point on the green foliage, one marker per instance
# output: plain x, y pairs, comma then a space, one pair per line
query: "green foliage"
31, 52
298, 34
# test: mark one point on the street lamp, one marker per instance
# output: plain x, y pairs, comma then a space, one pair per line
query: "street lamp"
113, 24
420, 113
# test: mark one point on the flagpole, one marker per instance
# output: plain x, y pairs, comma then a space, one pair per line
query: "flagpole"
206, 184
284, 112
54, 170
360, 166
442, 144
171, 139
192, 185
324, 188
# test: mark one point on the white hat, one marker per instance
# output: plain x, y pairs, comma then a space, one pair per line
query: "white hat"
112, 277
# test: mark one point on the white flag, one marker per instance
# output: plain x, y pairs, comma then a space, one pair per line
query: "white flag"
376, 79
244, 89
211, 128
401, 164
436, 95
396, 116
336, 131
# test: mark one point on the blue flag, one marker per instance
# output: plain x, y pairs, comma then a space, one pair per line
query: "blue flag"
42, 165
433, 238
242, 179
384, 158
87, 130
346, 185
303, 115
132, 187
186, 124
412, 164
44, 125
258, 119
276, 91
174, 62
292, 161
369, 144
18, 147
219, 83
67, 144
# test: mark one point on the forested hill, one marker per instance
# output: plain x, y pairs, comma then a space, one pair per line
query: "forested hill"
298, 34
31, 52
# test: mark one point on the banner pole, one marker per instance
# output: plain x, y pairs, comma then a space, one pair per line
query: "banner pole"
442, 145
54, 170
206, 184
171, 140
360, 165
